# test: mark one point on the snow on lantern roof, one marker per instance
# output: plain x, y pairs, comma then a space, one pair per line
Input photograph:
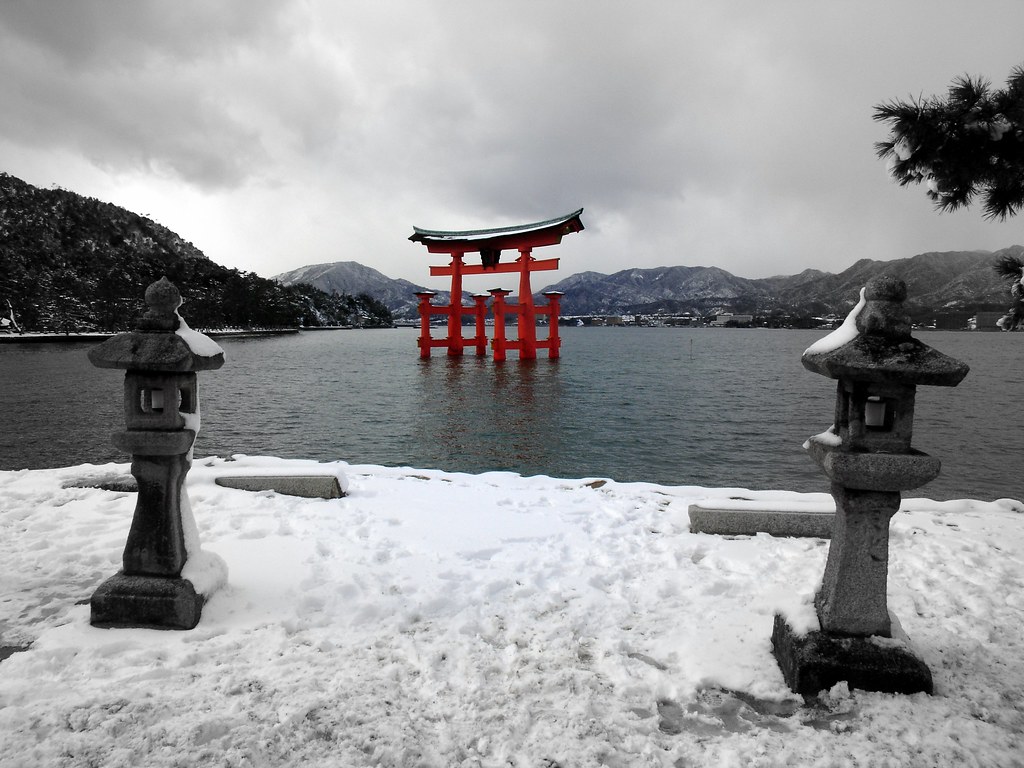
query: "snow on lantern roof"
559, 226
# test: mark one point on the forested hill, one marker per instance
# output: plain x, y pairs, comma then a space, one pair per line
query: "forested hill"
74, 263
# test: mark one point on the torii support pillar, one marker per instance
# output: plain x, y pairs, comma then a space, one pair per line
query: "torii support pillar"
426, 310
526, 314
553, 341
500, 344
480, 310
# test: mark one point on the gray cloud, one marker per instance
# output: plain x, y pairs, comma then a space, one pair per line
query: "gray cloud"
98, 34
736, 134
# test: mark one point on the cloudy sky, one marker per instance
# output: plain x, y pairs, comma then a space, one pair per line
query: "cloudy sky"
276, 134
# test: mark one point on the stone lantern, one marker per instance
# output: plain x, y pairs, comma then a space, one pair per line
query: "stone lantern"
161, 409
867, 455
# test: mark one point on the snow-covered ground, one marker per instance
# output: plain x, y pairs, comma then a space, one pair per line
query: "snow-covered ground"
433, 619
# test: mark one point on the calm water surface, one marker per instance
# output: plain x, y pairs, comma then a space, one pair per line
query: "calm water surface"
712, 407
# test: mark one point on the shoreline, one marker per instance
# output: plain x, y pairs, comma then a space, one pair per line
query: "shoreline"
72, 338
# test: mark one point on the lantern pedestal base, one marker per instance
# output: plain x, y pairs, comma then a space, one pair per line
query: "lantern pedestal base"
817, 661
146, 601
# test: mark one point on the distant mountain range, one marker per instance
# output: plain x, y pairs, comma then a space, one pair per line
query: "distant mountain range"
937, 283
69, 262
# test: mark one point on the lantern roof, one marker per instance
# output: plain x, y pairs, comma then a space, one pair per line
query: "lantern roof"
876, 359
881, 348
156, 345
547, 232
151, 351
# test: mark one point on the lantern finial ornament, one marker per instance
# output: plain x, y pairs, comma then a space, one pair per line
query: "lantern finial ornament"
163, 300
884, 314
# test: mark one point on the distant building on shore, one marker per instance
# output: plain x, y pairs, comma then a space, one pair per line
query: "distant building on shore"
732, 320
986, 321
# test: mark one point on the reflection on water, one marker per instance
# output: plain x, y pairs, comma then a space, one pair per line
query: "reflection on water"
478, 415
713, 407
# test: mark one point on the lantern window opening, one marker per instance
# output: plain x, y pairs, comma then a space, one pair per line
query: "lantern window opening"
186, 400
842, 417
151, 400
154, 400
879, 414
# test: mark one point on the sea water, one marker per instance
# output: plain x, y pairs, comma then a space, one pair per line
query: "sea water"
710, 407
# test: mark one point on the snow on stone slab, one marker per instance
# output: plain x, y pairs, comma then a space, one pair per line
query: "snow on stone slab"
268, 467
444, 619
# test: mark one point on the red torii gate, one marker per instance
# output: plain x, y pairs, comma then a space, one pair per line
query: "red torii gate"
489, 243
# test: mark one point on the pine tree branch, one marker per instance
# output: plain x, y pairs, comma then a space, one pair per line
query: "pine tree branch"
969, 145
1009, 267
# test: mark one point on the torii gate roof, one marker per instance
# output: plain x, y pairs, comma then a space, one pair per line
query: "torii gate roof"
540, 233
